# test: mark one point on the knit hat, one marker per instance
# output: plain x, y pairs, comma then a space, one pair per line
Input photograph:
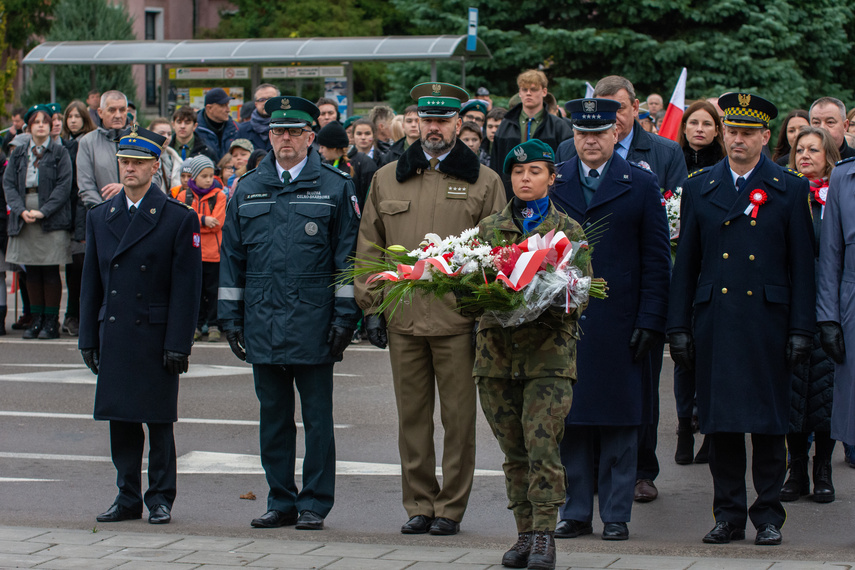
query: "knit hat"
197, 164
333, 136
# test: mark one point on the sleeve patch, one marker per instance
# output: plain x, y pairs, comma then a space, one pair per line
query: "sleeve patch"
197, 240
355, 203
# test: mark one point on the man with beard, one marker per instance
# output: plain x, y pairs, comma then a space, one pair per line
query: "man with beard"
437, 185
256, 128
97, 175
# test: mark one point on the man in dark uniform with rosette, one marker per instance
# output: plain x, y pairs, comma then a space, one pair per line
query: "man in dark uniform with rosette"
741, 313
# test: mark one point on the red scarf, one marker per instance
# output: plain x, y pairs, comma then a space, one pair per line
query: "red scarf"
819, 188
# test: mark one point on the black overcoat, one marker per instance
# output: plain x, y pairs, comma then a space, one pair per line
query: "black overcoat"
748, 283
633, 255
140, 296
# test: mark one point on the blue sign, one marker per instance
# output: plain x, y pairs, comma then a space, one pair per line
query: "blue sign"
472, 39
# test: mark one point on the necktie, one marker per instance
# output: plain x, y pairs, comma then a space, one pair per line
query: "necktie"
131, 211
528, 129
286, 177
434, 162
184, 152
593, 174
739, 182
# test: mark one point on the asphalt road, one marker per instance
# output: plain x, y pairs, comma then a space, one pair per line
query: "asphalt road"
55, 469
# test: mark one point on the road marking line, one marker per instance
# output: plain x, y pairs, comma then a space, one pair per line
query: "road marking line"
26, 480
210, 421
55, 457
80, 374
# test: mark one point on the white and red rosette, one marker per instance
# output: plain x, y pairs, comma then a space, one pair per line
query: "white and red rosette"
757, 197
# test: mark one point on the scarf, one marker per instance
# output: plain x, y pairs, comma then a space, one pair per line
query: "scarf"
259, 124
202, 191
532, 212
819, 189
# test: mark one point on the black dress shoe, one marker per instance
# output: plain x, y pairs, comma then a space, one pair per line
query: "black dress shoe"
310, 520
419, 524
517, 556
274, 519
118, 513
768, 535
615, 531
645, 491
442, 526
569, 528
159, 514
723, 533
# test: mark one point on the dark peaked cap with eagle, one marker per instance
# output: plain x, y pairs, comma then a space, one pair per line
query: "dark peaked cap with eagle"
291, 112
439, 100
746, 111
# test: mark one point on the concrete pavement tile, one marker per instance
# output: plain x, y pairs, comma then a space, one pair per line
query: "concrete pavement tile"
731, 564
80, 550
445, 566
235, 558
155, 554
292, 561
799, 565
368, 564
271, 546
476, 556
72, 537
148, 565
214, 544
353, 550
129, 540
16, 547
639, 562
81, 564
22, 560
426, 554
586, 560
20, 533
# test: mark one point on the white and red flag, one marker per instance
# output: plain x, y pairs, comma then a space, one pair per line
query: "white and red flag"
670, 127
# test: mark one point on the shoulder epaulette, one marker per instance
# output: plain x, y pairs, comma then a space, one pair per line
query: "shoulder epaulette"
844, 161
645, 167
698, 171
247, 173
792, 172
170, 199
100, 204
336, 170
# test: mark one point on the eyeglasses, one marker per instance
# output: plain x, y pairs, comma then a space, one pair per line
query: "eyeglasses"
262, 100
292, 132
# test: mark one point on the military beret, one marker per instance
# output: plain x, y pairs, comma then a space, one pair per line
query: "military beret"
532, 150
35, 109
350, 120
439, 100
746, 111
291, 111
141, 143
55, 108
590, 115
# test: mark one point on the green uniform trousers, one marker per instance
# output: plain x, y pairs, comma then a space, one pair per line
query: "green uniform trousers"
527, 418
421, 367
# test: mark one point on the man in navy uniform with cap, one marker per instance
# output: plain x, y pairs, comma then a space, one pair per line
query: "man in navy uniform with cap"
619, 205
290, 230
138, 308
742, 313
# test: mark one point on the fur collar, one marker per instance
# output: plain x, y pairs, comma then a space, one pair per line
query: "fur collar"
460, 163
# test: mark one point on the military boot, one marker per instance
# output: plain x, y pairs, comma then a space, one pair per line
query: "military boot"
685, 442
35, 327
797, 483
823, 490
542, 555
517, 556
50, 327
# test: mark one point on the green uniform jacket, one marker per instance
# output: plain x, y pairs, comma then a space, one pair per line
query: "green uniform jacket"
542, 348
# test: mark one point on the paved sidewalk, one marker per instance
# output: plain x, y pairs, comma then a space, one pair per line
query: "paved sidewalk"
22, 547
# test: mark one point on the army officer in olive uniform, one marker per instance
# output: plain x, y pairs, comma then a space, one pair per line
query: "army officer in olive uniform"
742, 313
290, 229
138, 307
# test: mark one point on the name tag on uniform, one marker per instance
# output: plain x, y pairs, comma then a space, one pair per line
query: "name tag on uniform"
257, 196
457, 191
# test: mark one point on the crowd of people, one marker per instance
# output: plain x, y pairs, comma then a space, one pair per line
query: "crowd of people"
754, 304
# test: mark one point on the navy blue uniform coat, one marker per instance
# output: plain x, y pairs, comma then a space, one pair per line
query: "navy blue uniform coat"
142, 279
748, 284
283, 246
633, 256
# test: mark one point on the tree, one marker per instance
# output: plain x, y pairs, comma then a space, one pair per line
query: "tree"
29, 18
789, 51
77, 20
9, 64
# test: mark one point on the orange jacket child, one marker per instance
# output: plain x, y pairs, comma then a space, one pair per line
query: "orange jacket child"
210, 205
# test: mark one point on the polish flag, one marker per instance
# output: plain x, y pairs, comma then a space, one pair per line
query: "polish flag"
589, 90
670, 127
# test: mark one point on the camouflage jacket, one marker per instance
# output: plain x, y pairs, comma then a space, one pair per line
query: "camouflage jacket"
542, 348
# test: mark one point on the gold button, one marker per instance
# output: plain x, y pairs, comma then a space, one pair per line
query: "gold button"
751, 258
750, 293
724, 290
725, 256
727, 223
753, 222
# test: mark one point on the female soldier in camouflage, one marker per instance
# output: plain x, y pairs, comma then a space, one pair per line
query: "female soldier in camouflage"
525, 374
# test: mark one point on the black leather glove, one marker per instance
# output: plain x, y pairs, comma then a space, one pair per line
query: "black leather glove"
175, 362
682, 349
338, 339
798, 349
643, 341
375, 328
91, 358
236, 342
831, 338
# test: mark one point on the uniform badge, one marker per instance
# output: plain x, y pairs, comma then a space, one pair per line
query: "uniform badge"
589, 106
111, 210
744, 99
645, 166
286, 104
197, 240
457, 192
153, 210
355, 203
436, 88
520, 154
311, 228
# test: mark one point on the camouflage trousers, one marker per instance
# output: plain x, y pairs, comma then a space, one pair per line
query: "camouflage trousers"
527, 418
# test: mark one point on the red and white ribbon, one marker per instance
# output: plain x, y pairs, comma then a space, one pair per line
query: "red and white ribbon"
757, 198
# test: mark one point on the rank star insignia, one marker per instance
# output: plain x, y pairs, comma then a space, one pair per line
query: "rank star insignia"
285, 105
